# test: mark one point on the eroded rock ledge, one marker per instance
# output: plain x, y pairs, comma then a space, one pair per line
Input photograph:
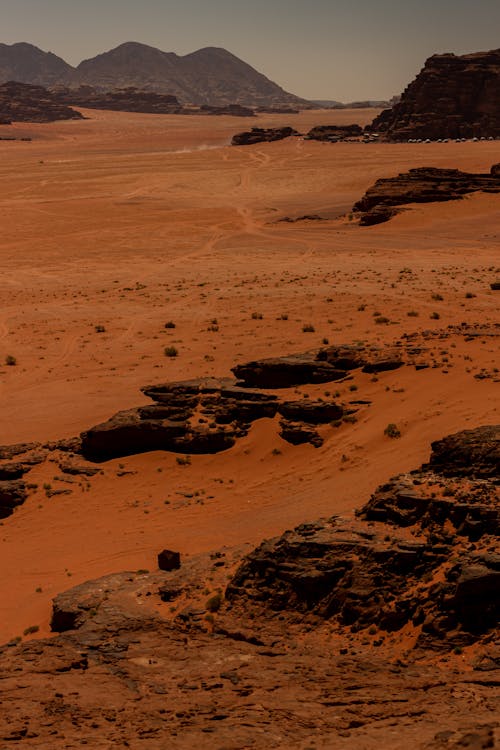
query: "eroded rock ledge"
422, 554
21, 102
423, 185
321, 621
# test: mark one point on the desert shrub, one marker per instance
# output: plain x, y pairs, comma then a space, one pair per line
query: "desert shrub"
392, 431
10, 360
214, 603
171, 351
31, 630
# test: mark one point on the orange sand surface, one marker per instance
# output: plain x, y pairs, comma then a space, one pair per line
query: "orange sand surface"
128, 221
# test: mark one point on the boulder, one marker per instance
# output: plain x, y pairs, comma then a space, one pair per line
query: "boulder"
169, 560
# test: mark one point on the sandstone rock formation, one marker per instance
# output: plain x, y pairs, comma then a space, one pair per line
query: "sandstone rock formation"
452, 97
441, 575
20, 102
422, 185
196, 416
262, 135
130, 99
342, 633
333, 133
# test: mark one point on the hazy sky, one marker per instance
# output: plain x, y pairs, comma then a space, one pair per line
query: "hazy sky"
329, 49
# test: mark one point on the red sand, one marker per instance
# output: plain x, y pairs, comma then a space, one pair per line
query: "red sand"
116, 222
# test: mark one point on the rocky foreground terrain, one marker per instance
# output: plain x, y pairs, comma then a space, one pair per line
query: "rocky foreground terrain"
452, 97
345, 632
348, 631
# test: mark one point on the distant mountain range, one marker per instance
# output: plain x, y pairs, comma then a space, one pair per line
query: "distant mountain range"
208, 76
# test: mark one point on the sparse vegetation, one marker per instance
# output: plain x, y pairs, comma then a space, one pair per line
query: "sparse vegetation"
10, 360
170, 324
392, 431
31, 630
308, 328
214, 603
171, 351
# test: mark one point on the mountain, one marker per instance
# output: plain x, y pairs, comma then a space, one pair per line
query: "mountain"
25, 63
209, 76
453, 96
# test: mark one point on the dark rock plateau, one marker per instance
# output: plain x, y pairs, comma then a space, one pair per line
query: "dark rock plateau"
452, 97
423, 185
20, 102
332, 133
131, 99
262, 135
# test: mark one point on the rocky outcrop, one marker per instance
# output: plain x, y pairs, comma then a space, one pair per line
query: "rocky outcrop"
323, 366
199, 416
441, 576
232, 110
12, 494
452, 97
262, 135
334, 133
131, 99
284, 372
421, 185
127, 99
312, 643
473, 453
20, 102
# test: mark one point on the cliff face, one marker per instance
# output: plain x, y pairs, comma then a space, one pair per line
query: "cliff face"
452, 97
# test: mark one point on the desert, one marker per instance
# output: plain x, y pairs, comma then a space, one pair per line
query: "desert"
140, 250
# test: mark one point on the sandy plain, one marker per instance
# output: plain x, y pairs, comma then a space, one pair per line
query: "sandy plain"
129, 221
